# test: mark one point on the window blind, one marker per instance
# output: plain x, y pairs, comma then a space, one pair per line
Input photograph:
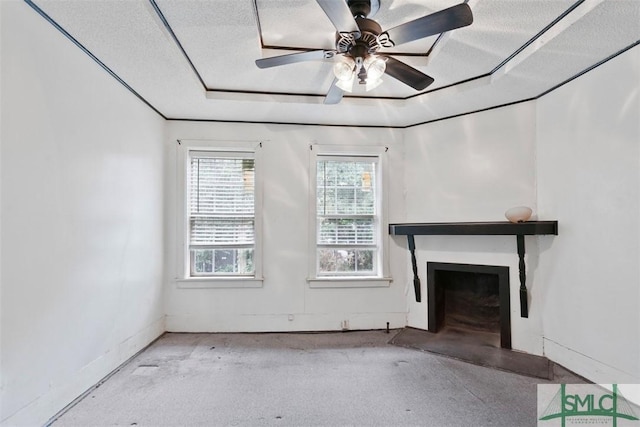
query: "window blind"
346, 215
221, 204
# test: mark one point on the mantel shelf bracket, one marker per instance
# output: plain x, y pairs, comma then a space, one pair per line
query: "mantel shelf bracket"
414, 264
476, 229
524, 299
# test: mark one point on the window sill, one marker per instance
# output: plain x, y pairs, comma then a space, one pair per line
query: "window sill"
350, 282
219, 282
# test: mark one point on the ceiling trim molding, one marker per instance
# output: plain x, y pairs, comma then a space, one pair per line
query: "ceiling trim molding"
509, 104
173, 36
586, 70
354, 126
535, 98
247, 122
537, 36
302, 98
315, 98
495, 107
219, 94
92, 56
565, 20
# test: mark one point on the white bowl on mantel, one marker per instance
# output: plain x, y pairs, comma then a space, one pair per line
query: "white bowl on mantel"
518, 214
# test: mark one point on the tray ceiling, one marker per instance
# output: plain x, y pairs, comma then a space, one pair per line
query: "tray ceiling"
195, 59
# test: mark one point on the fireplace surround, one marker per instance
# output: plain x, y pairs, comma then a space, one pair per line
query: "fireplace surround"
470, 297
520, 230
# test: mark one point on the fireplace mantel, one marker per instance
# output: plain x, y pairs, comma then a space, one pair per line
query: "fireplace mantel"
498, 228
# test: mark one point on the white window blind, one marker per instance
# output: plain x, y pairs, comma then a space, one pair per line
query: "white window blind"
221, 207
347, 217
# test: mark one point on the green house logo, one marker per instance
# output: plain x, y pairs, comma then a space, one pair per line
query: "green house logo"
589, 404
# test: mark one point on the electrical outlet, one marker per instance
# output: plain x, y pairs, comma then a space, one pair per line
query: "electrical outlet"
345, 325
291, 318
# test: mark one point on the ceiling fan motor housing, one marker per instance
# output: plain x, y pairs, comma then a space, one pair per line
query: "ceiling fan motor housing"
368, 40
370, 30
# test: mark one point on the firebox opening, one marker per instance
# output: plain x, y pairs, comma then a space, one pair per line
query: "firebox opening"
470, 301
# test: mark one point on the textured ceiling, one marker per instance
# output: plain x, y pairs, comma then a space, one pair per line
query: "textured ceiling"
195, 59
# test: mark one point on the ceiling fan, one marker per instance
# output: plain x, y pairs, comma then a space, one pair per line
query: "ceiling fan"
358, 39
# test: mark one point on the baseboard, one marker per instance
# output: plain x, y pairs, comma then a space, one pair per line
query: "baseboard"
587, 367
284, 322
41, 410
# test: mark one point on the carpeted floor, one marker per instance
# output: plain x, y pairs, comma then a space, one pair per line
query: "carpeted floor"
296, 379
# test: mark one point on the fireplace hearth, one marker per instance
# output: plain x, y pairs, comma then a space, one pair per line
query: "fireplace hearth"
470, 301
470, 319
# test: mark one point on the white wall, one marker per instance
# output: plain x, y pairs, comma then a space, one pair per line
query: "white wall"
588, 168
474, 168
285, 165
82, 201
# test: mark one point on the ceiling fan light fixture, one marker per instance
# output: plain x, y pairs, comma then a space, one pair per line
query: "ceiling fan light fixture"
346, 85
343, 69
375, 67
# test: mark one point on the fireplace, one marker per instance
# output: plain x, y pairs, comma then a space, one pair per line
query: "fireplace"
472, 300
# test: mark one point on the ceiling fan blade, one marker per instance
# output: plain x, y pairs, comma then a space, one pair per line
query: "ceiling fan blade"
334, 96
292, 58
435, 23
340, 15
407, 74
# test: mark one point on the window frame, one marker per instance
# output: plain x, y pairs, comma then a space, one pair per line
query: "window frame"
380, 277
212, 148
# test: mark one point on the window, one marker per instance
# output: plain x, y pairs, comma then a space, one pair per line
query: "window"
221, 219
348, 223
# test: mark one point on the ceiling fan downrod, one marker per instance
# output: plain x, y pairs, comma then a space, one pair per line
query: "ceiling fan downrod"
363, 8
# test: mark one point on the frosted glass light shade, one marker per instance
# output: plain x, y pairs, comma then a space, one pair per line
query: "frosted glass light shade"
375, 67
343, 69
346, 85
518, 214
